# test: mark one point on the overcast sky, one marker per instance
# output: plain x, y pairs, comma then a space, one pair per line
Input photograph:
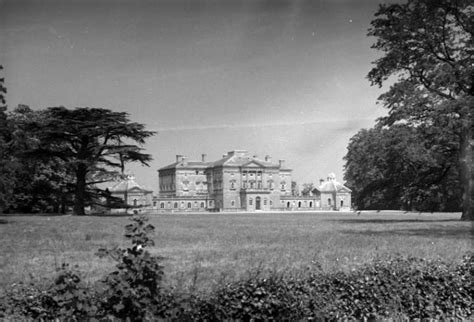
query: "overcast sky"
283, 78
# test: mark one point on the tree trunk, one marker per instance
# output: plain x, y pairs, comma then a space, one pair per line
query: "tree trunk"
80, 194
466, 173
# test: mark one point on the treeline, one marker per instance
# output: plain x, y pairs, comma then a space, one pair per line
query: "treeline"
420, 156
30, 183
405, 167
54, 159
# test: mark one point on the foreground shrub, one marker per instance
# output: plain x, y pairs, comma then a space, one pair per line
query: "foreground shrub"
67, 298
254, 299
133, 290
396, 288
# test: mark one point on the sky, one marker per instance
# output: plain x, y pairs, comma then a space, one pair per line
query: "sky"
274, 77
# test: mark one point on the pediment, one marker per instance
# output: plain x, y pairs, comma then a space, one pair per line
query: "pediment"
253, 164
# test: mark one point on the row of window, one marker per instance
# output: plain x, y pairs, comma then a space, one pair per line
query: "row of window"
300, 204
182, 205
265, 201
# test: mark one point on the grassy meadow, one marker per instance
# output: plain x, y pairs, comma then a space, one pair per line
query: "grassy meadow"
202, 251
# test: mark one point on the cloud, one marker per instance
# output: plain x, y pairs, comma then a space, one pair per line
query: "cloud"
337, 125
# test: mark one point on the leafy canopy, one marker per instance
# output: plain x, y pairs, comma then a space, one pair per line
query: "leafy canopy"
92, 142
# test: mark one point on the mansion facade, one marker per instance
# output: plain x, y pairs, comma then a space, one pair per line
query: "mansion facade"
239, 182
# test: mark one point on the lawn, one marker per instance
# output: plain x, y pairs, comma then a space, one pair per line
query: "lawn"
202, 251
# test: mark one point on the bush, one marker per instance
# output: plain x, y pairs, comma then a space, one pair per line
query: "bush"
67, 298
395, 288
133, 290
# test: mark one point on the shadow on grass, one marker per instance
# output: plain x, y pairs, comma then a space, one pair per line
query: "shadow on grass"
431, 232
108, 215
390, 221
35, 215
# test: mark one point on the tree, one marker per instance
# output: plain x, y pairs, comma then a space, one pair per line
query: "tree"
90, 141
38, 184
427, 53
402, 167
6, 165
295, 189
307, 189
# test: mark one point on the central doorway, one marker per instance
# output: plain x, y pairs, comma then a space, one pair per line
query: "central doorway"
258, 203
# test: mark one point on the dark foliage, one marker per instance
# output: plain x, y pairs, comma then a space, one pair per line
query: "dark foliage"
134, 289
91, 142
397, 288
394, 288
67, 298
404, 167
426, 50
55, 158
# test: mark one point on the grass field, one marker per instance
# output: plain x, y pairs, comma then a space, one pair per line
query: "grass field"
203, 251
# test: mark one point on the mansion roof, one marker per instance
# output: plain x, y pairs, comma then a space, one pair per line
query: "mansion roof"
236, 158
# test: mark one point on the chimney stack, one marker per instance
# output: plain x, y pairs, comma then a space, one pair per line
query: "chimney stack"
203, 157
178, 157
268, 158
281, 162
321, 181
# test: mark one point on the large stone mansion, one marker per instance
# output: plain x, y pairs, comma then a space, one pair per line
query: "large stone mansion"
236, 182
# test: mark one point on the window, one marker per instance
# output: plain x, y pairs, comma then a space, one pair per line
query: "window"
134, 202
202, 204
232, 203
342, 203
271, 203
288, 204
259, 184
195, 204
169, 204
189, 205
176, 205
264, 202
154, 203
250, 201
270, 184
186, 185
310, 204
232, 184
299, 204
162, 205
182, 204
329, 201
